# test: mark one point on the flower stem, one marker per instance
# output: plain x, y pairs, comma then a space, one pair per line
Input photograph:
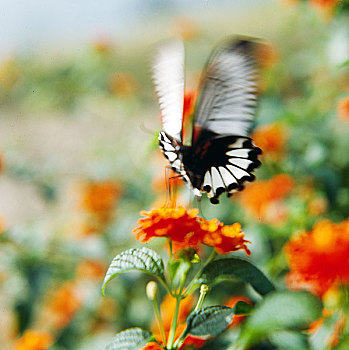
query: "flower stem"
174, 324
161, 325
191, 284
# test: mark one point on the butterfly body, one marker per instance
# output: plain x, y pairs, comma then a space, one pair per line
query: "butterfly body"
221, 156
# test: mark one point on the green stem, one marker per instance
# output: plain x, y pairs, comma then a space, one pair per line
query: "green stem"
172, 332
198, 274
161, 325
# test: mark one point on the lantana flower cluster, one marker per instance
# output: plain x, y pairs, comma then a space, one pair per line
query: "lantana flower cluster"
185, 229
319, 259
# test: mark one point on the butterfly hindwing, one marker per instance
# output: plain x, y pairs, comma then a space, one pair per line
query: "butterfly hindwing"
222, 164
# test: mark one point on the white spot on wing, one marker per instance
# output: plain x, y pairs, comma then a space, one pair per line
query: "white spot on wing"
227, 177
237, 172
216, 179
243, 163
242, 153
171, 156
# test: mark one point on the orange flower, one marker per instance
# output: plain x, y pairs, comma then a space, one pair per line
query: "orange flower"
319, 259
98, 200
324, 4
152, 346
122, 84
263, 199
343, 109
64, 304
185, 229
226, 239
185, 27
271, 138
34, 340
91, 269
100, 197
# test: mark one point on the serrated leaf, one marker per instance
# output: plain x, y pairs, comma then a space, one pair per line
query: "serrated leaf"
209, 321
130, 339
141, 259
277, 311
233, 268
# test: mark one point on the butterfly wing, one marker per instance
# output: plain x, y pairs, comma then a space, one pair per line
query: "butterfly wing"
222, 157
168, 77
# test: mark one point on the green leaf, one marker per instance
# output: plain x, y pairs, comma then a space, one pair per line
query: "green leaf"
211, 320
141, 259
277, 311
242, 308
292, 340
232, 268
129, 339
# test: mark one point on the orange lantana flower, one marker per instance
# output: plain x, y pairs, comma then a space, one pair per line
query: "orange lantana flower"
185, 229
34, 340
63, 305
271, 138
263, 199
152, 346
343, 109
319, 259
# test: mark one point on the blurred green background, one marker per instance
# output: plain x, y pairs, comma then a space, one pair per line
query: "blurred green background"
79, 161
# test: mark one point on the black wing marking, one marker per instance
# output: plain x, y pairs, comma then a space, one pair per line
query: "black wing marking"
229, 91
224, 165
168, 77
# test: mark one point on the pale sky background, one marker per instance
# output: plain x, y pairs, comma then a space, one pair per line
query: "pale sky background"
37, 24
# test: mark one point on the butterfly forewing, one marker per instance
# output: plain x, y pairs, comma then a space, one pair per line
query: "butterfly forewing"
168, 77
228, 91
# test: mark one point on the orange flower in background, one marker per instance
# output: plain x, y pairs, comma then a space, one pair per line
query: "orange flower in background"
34, 340
319, 259
185, 229
122, 84
263, 199
100, 197
98, 200
343, 109
64, 304
186, 28
91, 269
271, 138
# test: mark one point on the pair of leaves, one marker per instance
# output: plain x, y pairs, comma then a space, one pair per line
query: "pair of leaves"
209, 321
148, 261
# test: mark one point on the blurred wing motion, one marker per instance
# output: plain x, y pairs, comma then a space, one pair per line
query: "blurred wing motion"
221, 157
168, 77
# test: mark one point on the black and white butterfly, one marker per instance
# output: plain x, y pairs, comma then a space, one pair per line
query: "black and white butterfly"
221, 156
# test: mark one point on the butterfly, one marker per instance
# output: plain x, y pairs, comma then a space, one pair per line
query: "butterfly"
220, 156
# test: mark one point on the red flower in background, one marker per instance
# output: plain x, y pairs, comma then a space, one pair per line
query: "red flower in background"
34, 340
343, 110
271, 138
319, 259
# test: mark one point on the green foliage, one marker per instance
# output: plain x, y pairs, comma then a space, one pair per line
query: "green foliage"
140, 259
235, 268
209, 321
129, 339
279, 311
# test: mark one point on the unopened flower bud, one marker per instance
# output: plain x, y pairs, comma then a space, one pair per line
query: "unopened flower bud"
151, 290
204, 288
